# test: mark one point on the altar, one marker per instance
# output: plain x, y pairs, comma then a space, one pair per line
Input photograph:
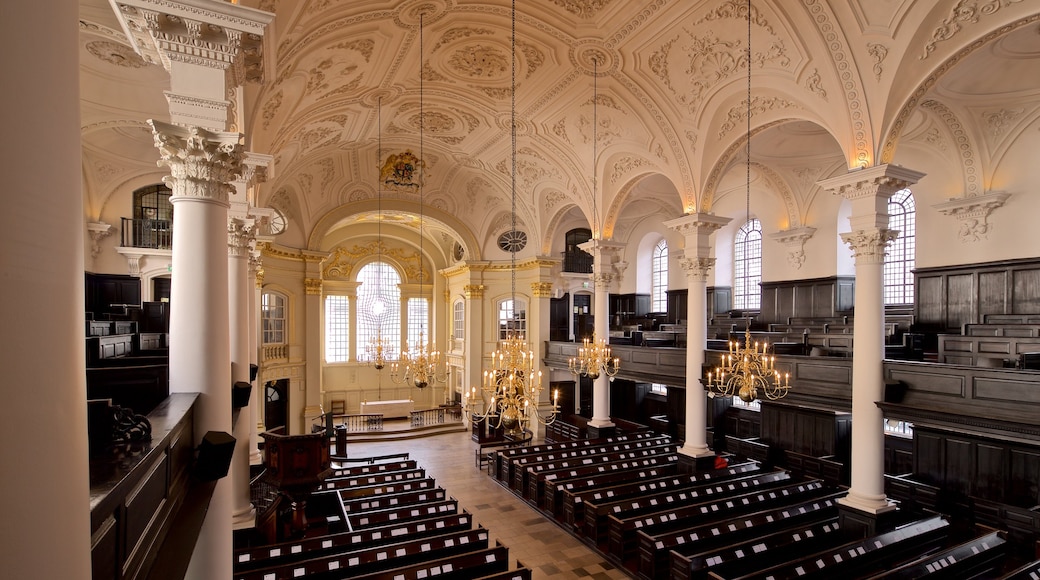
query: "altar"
388, 409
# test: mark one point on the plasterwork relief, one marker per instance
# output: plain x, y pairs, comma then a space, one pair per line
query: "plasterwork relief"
878, 52
1000, 121
973, 213
627, 165
759, 104
964, 13
582, 8
965, 150
869, 246
814, 85
342, 261
115, 53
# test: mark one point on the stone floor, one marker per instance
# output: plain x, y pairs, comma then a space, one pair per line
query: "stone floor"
532, 539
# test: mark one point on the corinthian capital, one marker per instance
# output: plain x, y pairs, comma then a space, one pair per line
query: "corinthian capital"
697, 268
202, 163
868, 246
240, 238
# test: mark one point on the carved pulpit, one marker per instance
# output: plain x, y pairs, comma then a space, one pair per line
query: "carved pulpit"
296, 465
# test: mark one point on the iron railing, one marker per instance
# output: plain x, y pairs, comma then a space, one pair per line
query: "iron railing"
147, 233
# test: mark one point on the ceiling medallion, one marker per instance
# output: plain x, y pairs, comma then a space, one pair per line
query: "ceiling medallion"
431, 10
512, 241
585, 54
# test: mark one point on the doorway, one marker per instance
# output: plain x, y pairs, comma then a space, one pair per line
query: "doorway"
276, 405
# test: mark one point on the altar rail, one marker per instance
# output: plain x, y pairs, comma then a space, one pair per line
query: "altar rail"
360, 423
436, 416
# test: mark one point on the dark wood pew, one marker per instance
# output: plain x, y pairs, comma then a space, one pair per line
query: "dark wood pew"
520, 465
968, 560
375, 558
380, 489
863, 557
1030, 571
1019, 330
373, 479
574, 501
502, 469
535, 475
1011, 318
278, 554
460, 567
359, 470
555, 498
758, 551
384, 501
598, 513
141, 388
374, 518
967, 350
484, 453
623, 541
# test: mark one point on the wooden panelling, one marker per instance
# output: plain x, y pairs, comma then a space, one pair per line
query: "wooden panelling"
948, 297
810, 298
1023, 476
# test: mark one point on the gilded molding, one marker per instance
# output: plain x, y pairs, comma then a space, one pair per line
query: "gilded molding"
473, 291
312, 286
868, 246
541, 289
202, 163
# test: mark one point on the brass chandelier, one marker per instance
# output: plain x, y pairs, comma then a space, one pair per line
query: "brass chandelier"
594, 355
421, 361
748, 368
511, 384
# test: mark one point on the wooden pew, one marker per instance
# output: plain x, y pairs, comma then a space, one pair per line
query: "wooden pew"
967, 350
375, 479
484, 454
460, 567
1030, 571
521, 573
623, 541
863, 557
384, 501
359, 470
503, 466
520, 465
598, 514
1018, 330
759, 551
653, 466
379, 489
375, 558
278, 554
642, 486
968, 560
380, 517
535, 475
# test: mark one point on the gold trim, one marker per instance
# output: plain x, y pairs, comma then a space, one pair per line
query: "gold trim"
473, 291
312, 286
541, 289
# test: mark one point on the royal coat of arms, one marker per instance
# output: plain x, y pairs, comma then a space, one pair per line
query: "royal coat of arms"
402, 170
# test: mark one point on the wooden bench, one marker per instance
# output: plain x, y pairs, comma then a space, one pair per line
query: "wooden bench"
460, 567
372, 479
383, 488
584, 455
485, 452
556, 490
1017, 330
627, 515
277, 554
375, 558
621, 531
863, 557
968, 560
967, 350
391, 500
401, 514
658, 543
359, 470
1030, 571
535, 475
636, 487
759, 551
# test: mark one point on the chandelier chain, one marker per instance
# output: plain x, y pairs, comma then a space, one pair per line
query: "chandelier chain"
512, 127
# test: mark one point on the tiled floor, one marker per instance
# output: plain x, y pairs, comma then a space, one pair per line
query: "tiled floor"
534, 540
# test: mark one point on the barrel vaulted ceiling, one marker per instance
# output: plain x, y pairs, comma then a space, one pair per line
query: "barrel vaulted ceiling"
836, 84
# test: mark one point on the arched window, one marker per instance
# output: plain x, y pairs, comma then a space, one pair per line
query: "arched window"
379, 307
659, 278
512, 318
459, 320
272, 317
899, 259
747, 266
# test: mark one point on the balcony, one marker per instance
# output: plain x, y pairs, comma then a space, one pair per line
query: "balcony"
579, 262
147, 233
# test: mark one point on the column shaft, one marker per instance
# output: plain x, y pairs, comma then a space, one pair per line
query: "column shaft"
46, 505
696, 444
239, 291
601, 386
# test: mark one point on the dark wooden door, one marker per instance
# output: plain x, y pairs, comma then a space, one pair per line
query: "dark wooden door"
276, 404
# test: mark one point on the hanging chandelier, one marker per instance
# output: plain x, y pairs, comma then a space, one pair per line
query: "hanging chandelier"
377, 348
748, 368
511, 385
594, 355
420, 360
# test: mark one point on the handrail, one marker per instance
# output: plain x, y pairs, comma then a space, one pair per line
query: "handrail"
436, 416
361, 423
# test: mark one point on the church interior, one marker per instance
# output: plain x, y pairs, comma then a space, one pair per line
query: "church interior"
702, 288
